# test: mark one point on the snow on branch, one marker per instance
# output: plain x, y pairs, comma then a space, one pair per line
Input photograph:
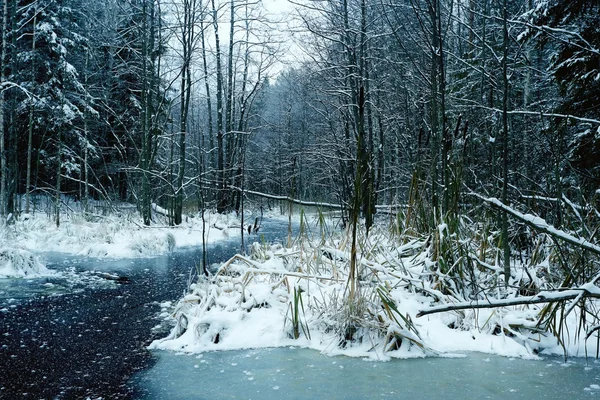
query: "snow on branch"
555, 32
7, 85
383, 207
287, 198
587, 290
541, 225
537, 113
555, 115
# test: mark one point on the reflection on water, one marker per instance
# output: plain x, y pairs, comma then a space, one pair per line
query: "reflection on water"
305, 374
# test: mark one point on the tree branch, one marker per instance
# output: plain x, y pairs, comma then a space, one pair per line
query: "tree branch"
541, 225
588, 290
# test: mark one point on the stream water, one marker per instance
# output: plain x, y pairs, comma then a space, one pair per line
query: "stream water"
82, 336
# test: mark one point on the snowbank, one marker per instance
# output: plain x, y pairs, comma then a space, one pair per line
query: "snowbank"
19, 263
300, 297
114, 237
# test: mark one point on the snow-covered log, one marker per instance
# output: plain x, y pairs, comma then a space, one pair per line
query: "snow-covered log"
159, 210
587, 290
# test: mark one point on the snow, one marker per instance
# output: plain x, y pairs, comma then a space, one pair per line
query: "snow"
20, 263
22, 241
543, 226
249, 304
112, 237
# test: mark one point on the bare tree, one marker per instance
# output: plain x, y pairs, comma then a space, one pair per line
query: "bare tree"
187, 19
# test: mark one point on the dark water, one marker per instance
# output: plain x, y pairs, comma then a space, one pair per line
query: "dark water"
85, 336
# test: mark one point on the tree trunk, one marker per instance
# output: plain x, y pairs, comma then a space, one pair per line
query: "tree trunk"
3, 166
30, 127
366, 125
13, 200
149, 85
187, 41
222, 190
505, 243
230, 137
211, 160
86, 189
58, 179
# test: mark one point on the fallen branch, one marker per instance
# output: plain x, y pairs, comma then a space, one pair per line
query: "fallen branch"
290, 199
381, 207
588, 290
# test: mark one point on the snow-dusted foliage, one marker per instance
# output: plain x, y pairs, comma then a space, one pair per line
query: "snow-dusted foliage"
573, 28
96, 235
279, 296
299, 296
49, 49
19, 263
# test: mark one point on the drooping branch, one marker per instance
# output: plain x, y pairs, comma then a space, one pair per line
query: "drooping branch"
541, 225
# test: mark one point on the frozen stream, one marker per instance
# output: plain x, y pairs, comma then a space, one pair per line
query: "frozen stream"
295, 374
82, 336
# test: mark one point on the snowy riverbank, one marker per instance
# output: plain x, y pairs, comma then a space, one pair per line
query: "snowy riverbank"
299, 296
102, 237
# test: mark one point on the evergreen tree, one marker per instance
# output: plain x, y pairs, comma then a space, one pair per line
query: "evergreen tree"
54, 110
573, 27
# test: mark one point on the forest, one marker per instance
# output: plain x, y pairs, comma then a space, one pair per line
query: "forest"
472, 123
186, 102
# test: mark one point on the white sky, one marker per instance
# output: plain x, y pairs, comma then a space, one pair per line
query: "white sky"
282, 12
278, 6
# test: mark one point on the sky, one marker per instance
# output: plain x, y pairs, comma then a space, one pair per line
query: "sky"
278, 6
283, 11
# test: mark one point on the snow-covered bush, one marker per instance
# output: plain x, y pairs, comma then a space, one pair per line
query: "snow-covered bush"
297, 296
20, 263
152, 244
300, 296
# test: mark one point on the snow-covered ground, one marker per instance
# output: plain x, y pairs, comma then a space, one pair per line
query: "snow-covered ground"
105, 237
116, 237
20, 263
300, 297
